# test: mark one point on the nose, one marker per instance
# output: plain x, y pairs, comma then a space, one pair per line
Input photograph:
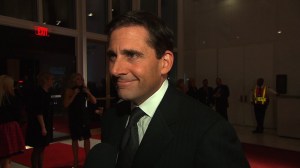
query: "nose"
118, 66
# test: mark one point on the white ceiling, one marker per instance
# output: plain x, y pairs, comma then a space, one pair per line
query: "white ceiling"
211, 23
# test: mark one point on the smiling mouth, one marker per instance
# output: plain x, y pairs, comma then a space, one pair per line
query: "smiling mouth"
124, 83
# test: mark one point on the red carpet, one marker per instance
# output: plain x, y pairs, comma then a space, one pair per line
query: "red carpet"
57, 155
267, 157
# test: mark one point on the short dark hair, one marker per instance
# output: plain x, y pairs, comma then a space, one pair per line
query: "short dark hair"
260, 81
161, 37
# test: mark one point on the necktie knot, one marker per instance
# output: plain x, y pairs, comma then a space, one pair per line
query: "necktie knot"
135, 116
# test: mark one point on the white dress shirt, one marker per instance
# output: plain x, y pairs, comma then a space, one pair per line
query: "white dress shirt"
149, 107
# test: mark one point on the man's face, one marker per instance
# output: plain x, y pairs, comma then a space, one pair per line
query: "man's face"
218, 81
134, 64
260, 82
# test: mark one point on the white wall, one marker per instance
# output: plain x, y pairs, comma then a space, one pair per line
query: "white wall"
213, 25
245, 28
287, 61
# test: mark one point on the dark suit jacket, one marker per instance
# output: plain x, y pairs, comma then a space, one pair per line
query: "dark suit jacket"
183, 133
222, 101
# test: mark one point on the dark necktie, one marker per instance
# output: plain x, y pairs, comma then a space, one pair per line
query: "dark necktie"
130, 140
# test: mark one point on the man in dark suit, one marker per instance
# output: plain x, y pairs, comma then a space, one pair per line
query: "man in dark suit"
221, 94
176, 131
206, 93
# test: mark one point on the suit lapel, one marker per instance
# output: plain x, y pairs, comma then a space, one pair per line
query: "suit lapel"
158, 134
116, 120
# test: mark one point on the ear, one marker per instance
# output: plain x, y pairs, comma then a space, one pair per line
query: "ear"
167, 62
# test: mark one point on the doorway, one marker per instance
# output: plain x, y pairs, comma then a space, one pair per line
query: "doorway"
23, 55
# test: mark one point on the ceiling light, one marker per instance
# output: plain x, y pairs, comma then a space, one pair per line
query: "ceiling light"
90, 14
58, 22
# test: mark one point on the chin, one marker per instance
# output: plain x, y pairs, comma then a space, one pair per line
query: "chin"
127, 95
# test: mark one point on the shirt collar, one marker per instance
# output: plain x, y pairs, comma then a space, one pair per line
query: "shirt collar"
150, 105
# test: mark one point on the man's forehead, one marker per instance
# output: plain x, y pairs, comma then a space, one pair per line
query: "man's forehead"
128, 41
130, 31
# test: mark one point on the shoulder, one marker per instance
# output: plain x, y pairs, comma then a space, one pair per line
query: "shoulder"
178, 104
9, 100
188, 117
120, 110
68, 91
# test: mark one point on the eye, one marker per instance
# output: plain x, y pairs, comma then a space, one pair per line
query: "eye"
111, 56
132, 54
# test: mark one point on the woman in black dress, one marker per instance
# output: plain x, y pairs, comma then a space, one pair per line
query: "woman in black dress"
76, 98
11, 137
40, 125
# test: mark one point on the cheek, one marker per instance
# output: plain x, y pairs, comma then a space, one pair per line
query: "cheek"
152, 73
110, 66
146, 70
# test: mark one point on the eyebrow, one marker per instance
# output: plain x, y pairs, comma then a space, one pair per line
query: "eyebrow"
131, 52
110, 53
125, 51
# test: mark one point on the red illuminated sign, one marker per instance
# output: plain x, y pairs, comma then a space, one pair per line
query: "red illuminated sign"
41, 31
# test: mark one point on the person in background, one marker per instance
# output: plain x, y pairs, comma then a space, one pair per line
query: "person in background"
192, 89
205, 93
180, 85
11, 136
40, 119
260, 101
220, 95
176, 130
76, 98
